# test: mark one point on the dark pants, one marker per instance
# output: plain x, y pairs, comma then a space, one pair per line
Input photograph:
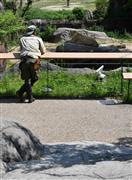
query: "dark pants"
29, 75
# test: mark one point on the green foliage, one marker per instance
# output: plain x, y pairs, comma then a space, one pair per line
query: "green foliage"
78, 12
8, 5
101, 9
48, 33
9, 25
117, 35
97, 28
35, 13
75, 14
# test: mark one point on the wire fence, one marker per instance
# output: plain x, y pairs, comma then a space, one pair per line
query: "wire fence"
59, 79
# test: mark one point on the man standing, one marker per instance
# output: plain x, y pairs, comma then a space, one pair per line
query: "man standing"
31, 47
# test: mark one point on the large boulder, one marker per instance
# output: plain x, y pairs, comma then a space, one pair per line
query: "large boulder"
18, 143
72, 47
79, 36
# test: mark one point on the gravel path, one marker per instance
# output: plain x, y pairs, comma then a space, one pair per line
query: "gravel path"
71, 120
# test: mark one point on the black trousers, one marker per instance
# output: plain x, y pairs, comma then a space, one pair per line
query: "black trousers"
29, 75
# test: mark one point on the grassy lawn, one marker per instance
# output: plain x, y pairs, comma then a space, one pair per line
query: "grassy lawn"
65, 85
88, 4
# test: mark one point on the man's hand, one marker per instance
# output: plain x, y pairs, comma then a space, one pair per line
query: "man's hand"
37, 65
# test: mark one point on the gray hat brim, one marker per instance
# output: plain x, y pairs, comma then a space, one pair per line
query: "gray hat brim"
30, 30
29, 33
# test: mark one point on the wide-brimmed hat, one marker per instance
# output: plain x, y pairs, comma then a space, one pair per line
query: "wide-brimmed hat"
30, 30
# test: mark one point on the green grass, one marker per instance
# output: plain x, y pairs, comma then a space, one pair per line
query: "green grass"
35, 13
65, 85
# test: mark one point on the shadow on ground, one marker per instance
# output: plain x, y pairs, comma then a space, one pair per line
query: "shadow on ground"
125, 141
87, 153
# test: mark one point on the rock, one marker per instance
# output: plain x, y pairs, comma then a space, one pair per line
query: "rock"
125, 69
51, 67
107, 48
3, 167
72, 47
15, 68
79, 36
18, 143
88, 15
80, 71
75, 161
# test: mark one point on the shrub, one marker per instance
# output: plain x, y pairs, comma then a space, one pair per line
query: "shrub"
101, 9
118, 35
35, 13
78, 12
97, 28
10, 25
48, 33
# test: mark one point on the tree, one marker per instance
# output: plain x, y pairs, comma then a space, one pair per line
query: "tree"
10, 24
68, 3
120, 8
119, 15
26, 8
17, 6
1, 6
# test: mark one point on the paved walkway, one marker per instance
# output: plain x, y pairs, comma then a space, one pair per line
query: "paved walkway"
74, 120
71, 120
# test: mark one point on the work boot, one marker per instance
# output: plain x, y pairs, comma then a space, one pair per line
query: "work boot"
20, 96
30, 100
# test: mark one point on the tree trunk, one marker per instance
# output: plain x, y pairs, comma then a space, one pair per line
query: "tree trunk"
2, 62
68, 3
25, 9
1, 6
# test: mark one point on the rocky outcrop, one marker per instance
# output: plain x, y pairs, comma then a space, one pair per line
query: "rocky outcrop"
77, 160
79, 36
72, 47
82, 40
17, 144
3, 167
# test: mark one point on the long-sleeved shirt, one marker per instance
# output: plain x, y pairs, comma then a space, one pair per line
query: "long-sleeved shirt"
32, 46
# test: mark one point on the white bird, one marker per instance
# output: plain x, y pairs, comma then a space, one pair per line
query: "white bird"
99, 72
